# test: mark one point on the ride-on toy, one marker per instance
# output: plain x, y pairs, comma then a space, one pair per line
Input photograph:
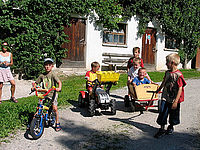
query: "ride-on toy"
100, 98
144, 97
45, 116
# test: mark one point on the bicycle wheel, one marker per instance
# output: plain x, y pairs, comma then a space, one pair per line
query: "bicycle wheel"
37, 128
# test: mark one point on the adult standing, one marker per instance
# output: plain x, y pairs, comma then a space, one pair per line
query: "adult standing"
6, 60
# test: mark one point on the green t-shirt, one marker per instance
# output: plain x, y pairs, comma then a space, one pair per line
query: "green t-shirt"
48, 80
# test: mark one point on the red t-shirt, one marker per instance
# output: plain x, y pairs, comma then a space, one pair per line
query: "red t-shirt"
130, 63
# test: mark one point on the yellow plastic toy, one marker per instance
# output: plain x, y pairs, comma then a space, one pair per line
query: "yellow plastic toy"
107, 76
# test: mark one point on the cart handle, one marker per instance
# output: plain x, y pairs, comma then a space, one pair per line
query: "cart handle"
153, 92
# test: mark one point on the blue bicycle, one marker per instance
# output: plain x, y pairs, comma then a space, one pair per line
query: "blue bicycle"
44, 116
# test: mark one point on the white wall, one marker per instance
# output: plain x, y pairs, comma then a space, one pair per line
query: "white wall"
95, 46
132, 40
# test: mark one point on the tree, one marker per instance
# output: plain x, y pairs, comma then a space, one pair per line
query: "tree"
178, 18
34, 28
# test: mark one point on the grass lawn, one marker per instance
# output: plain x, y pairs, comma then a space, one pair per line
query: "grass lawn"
13, 116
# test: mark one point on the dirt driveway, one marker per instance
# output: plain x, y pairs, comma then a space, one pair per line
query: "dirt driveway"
124, 131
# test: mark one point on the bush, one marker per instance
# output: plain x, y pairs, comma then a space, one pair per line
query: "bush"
35, 28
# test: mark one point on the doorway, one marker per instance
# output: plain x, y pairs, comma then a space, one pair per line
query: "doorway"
149, 46
75, 56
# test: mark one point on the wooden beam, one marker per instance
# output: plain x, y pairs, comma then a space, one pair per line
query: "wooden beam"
116, 55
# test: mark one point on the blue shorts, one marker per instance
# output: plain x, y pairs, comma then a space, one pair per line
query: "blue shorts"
165, 111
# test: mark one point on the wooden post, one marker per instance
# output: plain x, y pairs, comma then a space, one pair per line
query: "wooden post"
110, 67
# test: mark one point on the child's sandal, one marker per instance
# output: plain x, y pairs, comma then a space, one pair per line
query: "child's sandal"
58, 127
14, 99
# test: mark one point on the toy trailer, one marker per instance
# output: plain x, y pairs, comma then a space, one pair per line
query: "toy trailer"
144, 97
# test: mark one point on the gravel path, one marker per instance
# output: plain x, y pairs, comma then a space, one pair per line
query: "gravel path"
22, 89
125, 130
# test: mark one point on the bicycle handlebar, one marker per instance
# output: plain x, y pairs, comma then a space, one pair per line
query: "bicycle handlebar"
42, 90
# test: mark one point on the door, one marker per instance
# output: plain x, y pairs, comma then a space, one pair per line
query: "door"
197, 66
75, 55
149, 46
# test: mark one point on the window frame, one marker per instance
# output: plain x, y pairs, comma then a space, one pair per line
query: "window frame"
169, 46
113, 33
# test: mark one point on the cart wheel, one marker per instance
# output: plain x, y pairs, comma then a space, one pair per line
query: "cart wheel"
113, 106
132, 104
80, 101
126, 101
91, 107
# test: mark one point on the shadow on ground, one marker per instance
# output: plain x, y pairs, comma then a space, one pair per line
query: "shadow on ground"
81, 137
119, 107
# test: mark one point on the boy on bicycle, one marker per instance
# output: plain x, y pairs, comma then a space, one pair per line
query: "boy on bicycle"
49, 79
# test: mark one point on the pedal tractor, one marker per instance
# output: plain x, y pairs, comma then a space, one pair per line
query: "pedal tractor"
100, 98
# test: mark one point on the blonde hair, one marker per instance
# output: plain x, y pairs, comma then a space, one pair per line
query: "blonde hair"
95, 64
173, 57
136, 48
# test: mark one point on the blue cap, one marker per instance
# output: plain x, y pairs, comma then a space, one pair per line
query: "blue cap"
48, 60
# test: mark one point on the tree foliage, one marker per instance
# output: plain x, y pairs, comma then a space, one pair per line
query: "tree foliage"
179, 19
34, 28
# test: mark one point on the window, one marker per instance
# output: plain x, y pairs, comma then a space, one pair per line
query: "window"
171, 43
115, 36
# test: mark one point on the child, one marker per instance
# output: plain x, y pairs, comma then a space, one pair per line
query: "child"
136, 54
172, 95
133, 72
49, 79
140, 79
91, 76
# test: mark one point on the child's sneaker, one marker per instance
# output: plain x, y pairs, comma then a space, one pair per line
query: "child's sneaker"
170, 130
160, 133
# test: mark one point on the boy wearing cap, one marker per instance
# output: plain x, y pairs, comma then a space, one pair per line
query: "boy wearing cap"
49, 79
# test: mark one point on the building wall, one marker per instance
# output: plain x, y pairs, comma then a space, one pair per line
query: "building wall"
95, 46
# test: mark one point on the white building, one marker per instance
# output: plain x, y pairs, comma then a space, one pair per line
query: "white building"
89, 42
